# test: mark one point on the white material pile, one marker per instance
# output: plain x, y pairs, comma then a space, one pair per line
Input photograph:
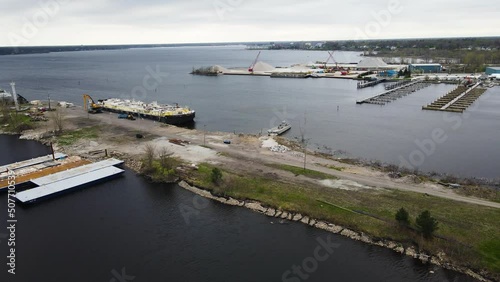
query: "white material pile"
279, 149
274, 146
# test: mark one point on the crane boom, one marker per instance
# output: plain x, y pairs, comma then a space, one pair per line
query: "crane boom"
90, 105
250, 69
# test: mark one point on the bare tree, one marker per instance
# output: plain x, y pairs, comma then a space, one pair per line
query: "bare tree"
58, 120
164, 154
303, 140
149, 155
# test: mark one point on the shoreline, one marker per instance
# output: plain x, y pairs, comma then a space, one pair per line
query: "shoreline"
129, 153
398, 247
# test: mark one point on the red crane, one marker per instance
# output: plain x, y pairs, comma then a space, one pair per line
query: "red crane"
330, 57
250, 69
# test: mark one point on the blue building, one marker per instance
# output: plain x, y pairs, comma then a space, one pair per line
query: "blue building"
426, 68
492, 70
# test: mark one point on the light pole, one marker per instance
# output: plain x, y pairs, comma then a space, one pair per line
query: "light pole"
204, 133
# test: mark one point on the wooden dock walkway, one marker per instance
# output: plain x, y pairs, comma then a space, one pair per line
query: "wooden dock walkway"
457, 100
395, 92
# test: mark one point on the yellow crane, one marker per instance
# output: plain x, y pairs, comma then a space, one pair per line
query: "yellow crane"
90, 106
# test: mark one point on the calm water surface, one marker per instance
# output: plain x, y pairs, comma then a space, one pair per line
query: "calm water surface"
250, 104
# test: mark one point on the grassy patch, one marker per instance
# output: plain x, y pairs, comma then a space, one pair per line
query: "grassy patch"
491, 253
301, 171
70, 137
16, 123
470, 232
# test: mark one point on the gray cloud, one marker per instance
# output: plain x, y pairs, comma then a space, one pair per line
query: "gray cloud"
172, 21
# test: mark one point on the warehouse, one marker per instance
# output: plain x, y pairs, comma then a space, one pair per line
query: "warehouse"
492, 70
426, 68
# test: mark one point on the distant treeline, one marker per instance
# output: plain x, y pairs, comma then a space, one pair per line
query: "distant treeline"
50, 49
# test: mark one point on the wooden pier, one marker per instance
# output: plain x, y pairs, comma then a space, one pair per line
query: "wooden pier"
457, 100
395, 93
363, 84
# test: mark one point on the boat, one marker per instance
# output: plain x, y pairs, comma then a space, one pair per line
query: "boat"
280, 129
170, 114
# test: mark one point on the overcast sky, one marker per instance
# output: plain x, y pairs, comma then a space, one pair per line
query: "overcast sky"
71, 22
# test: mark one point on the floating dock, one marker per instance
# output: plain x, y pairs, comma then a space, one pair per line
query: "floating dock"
457, 100
395, 93
65, 181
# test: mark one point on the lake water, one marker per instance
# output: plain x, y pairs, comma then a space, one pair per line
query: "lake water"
246, 104
131, 225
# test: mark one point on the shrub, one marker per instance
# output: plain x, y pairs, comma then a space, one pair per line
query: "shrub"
426, 223
216, 175
403, 217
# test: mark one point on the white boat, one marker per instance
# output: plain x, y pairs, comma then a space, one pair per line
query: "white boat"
280, 129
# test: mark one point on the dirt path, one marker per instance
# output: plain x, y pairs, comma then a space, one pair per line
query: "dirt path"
244, 152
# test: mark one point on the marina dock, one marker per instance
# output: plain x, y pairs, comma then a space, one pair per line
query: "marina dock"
65, 181
395, 93
364, 84
457, 100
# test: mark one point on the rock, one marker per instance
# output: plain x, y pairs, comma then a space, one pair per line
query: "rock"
321, 225
400, 249
256, 207
411, 252
233, 202
435, 260
364, 238
391, 245
278, 213
289, 216
270, 212
423, 257
334, 228
284, 215
93, 144
297, 217
312, 222
305, 220
351, 234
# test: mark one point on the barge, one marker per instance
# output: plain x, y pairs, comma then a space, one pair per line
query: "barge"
170, 114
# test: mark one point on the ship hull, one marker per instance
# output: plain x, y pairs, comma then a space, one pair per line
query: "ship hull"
173, 119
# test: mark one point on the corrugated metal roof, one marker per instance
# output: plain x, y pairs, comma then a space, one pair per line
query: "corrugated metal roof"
31, 162
75, 171
494, 68
66, 184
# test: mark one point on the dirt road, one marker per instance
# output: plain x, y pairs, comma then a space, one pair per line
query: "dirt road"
243, 151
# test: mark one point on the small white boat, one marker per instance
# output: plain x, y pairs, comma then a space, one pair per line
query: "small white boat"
280, 129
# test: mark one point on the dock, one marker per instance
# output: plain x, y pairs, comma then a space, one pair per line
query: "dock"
66, 181
364, 84
395, 93
32, 162
457, 100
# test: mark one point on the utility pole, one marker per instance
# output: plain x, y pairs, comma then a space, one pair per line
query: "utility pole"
48, 97
14, 95
204, 133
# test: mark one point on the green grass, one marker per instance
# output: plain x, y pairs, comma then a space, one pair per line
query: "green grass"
471, 231
70, 137
17, 122
301, 171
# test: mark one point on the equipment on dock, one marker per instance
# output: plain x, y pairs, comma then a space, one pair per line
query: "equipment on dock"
91, 106
250, 69
171, 114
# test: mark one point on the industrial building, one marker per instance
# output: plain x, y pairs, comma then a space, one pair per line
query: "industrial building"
492, 70
426, 68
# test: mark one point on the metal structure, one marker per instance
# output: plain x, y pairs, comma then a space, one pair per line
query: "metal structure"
90, 106
250, 69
